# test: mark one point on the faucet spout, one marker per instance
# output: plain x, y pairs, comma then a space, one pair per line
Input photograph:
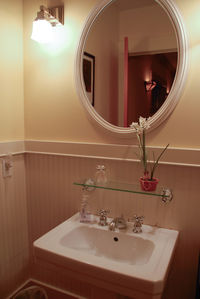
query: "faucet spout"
118, 222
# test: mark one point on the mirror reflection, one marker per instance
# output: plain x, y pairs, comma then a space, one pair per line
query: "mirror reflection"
129, 60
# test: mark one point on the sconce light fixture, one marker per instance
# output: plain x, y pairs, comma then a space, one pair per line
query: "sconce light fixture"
149, 85
47, 20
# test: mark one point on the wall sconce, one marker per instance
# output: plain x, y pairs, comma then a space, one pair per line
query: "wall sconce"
149, 85
48, 19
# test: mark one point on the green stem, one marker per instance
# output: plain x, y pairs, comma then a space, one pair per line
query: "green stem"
144, 152
156, 163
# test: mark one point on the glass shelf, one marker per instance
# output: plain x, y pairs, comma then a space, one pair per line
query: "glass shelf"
89, 185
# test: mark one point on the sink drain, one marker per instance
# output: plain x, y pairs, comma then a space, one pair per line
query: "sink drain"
115, 239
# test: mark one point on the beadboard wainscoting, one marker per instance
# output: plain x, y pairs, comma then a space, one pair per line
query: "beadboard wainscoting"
14, 244
52, 198
41, 194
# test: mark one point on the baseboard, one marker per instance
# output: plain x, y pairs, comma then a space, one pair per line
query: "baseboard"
32, 280
18, 289
56, 289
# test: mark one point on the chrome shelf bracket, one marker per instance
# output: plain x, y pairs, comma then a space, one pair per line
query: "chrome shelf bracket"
166, 195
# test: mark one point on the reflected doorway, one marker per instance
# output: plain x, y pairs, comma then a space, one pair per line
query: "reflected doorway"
150, 78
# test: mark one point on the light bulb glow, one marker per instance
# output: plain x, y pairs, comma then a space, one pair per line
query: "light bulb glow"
42, 32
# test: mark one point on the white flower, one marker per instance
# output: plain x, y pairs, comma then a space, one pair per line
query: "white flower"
133, 125
137, 127
141, 125
144, 122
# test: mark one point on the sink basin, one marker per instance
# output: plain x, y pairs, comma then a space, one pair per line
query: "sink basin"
118, 247
134, 265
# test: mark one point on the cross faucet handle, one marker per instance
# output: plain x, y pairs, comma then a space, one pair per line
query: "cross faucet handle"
138, 219
103, 212
103, 217
137, 228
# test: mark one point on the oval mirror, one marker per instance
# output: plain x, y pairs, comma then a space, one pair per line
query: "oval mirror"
131, 61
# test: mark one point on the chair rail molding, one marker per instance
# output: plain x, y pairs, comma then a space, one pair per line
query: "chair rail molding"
12, 147
173, 155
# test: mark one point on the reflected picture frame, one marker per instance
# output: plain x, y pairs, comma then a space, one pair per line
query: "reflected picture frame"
89, 75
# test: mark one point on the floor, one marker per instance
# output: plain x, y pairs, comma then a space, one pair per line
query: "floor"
51, 293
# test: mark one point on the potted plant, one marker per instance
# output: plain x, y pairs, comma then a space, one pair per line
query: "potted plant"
148, 182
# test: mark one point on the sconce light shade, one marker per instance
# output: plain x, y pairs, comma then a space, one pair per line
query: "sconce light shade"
45, 23
42, 32
149, 85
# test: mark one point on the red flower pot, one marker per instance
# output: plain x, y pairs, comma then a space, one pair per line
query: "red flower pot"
148, 185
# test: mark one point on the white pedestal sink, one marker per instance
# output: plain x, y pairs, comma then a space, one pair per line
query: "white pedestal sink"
135, 265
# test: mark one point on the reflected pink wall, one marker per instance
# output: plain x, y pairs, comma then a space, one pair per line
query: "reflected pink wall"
158, 67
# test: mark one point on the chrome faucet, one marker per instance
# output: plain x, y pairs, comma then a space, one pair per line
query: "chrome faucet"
118, 222
103, 217
138, 221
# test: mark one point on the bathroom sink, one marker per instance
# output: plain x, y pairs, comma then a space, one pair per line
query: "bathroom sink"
135, 265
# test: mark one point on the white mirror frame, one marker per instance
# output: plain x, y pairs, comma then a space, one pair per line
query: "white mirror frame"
179, 81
